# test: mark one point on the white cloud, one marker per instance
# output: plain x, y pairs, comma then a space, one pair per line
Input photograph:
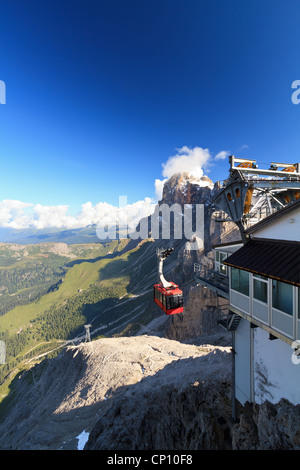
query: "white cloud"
15, 214
159, 186
190, 160
222, 155
12, 213
51, 216
243, 147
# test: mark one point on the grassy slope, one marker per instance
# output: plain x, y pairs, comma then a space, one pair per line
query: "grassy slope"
79, 276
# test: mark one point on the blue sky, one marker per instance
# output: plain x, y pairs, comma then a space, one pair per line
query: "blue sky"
100, 94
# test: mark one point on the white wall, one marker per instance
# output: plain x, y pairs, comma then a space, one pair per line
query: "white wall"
275, 374
242, 361
286, 227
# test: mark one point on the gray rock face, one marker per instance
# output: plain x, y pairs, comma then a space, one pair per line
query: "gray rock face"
123, 386
175, 409
268, 427
182, 189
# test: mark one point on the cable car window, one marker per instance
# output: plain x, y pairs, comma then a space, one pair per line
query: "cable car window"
174, 301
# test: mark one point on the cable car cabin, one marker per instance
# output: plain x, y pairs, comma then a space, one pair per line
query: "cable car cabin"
169, 299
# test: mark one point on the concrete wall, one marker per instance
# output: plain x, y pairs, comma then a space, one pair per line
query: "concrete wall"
264, 368
242, 361
275, 374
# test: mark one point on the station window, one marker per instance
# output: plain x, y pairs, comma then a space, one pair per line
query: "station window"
260, 288
220, 257
282, 296
240, 281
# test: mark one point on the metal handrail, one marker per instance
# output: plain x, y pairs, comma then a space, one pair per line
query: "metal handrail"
210, 275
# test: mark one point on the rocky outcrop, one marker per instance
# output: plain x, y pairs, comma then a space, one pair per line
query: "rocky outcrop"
177, 408
201, 312
128, 389
268, 427
164, 418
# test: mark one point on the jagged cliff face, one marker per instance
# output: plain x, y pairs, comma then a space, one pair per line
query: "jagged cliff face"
184, 189
199, 320
268, 427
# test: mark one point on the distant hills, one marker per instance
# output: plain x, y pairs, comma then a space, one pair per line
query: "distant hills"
53, 235
31, 236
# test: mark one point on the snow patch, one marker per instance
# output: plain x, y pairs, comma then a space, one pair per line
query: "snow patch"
82, 440
202, 182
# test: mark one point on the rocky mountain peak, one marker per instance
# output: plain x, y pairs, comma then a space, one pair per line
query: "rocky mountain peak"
183, 188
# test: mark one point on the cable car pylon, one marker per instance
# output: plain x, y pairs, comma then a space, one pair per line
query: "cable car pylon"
167, 295
87, 333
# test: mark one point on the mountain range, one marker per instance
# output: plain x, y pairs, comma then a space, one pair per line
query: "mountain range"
48, 235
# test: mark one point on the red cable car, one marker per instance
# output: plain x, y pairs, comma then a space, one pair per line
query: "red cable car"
169, 299
167, 295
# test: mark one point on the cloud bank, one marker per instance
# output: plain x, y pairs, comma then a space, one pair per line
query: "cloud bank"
20, 215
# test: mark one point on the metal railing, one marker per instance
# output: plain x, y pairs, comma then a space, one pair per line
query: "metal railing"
229, 321
212, 277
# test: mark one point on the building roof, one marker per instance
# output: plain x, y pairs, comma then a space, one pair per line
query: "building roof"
285, 210
277, 259
228, 244
229, 248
